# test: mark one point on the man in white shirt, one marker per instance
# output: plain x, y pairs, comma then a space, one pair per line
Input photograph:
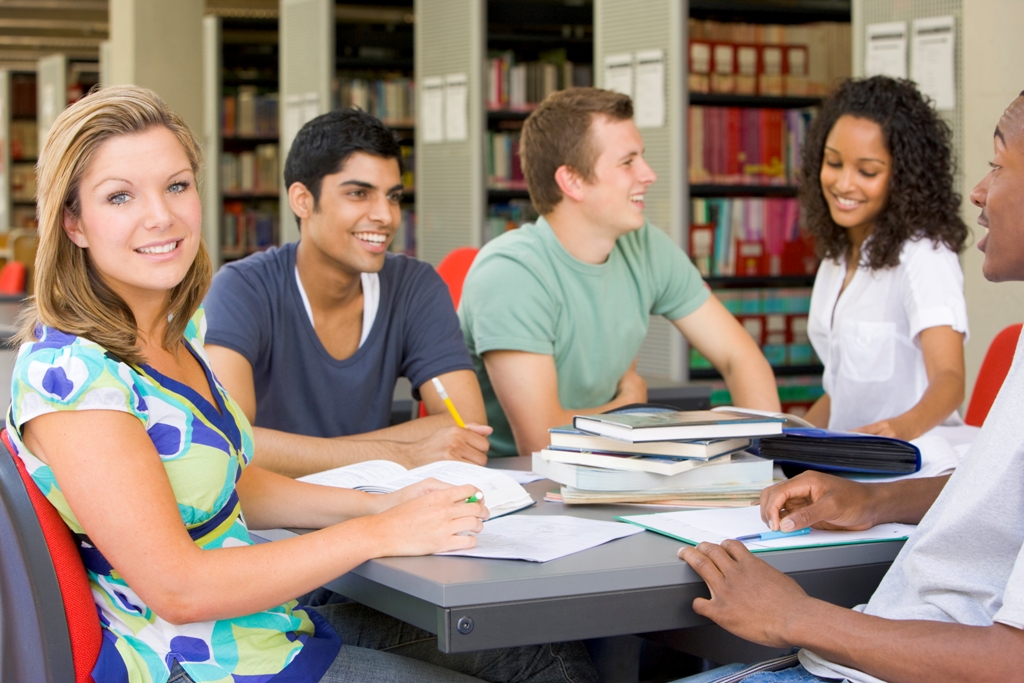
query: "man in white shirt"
951, 607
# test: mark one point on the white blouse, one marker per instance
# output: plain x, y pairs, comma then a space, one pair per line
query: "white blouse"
868, 337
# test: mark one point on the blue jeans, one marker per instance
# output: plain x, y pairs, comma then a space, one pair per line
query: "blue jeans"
796, 674
381, 649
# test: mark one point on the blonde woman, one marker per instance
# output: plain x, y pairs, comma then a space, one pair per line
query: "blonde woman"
127, 432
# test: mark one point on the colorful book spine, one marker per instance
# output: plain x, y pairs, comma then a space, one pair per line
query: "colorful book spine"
745, 146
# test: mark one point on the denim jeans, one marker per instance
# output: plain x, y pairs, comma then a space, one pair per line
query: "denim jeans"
796, 674
381, 649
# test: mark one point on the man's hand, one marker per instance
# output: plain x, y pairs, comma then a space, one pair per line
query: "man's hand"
451, 443
632, 388
748, 597
818, 500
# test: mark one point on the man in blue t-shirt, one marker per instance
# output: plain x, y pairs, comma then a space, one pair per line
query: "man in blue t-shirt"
310, 337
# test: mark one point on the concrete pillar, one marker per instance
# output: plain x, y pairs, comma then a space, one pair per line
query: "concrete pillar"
159, 45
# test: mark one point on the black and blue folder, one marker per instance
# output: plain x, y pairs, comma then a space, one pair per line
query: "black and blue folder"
828, 451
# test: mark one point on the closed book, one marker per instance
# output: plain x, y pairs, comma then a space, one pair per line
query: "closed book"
678, 425
742, 470
566, 437
656, 464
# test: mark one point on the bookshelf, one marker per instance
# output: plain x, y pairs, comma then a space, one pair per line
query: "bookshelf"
746, 124
242, 187
533, 49
20, 147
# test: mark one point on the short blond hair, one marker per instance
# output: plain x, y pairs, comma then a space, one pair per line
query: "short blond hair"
69, 294
558, 133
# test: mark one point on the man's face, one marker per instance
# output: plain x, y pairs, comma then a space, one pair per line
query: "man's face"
358, 213
614, 198
1000, 194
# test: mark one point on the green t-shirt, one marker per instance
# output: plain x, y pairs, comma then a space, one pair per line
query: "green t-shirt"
525, 292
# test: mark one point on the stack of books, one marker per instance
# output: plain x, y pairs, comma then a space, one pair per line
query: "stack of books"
680, 458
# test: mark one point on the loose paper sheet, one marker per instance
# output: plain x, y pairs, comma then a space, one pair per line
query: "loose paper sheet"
714, 526
932, 59
649, 103
455, 104
431, 116
886, 53
618, 73
541, 538
520, 476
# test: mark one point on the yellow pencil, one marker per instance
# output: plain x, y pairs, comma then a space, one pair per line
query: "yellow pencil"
448, 402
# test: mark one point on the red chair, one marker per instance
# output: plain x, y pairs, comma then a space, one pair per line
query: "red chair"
12, 278
992, 373
55, 618
453, 269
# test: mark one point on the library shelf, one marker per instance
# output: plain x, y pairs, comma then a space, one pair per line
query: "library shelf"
778, 370
250, 139
763, 281
759, 101
504, 194
717, 190
344, 63
772, 11
235, 196
508, 114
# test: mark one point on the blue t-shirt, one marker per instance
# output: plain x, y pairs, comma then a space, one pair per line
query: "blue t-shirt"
255, 308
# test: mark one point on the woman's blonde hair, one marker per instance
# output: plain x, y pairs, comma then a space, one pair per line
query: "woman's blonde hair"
69, 294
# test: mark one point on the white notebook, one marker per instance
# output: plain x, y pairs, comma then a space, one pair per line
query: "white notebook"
714, 526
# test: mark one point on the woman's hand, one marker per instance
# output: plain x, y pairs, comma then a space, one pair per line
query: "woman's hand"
432, 520
382, 502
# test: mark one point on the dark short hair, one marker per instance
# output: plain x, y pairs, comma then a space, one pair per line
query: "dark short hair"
558, 133
325, 143
922, 200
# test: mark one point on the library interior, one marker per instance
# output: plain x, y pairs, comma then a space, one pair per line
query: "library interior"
694, 307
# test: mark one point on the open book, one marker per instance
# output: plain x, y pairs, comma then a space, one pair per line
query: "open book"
502, 494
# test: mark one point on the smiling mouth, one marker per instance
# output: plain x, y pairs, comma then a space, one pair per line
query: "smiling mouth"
373, 238
637, 198
162, 249
844, 203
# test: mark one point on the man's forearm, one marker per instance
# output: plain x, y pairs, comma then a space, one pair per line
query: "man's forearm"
751, 383
905, 501
295, 455
908, 651
407, 432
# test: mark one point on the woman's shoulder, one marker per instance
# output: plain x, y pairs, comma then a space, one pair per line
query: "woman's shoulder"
926, 253
51, 344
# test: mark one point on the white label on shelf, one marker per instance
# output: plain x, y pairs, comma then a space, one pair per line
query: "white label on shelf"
431, 115
649, 103
931, 62
618, 73
456, 128
886, 53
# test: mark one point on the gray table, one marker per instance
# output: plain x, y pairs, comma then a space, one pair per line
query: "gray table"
632, 585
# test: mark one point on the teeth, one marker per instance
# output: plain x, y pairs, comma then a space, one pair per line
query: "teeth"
636, 198
372, 238
846, 203
170, 246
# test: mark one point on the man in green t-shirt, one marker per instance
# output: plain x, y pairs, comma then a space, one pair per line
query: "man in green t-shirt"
554, 313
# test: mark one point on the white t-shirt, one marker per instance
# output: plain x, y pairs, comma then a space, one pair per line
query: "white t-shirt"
371, 301
868, 337
964, 563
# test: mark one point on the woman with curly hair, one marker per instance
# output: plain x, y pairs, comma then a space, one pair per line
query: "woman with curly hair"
888, 316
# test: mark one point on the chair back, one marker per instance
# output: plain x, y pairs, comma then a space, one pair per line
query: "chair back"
991, 374
12, 278
47, 606
453, 269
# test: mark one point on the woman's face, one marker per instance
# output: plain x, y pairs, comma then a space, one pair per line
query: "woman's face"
855, 173
140, 216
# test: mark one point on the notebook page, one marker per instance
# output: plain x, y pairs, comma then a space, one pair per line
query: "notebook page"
360, 474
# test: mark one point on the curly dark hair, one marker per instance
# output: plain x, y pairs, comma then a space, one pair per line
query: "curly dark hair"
922, 202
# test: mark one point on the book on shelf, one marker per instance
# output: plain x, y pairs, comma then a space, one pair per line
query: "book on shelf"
24, 138
391, 98
793, 59
248, 113
254, 171
655, 464
677, 425
23, 182
503, 163
746, 145
741, 470
749, 236
505, 216
520, 86
502, 494
567, 438
23, 95
249, 227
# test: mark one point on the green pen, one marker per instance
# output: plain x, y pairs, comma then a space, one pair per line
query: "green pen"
475, 498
